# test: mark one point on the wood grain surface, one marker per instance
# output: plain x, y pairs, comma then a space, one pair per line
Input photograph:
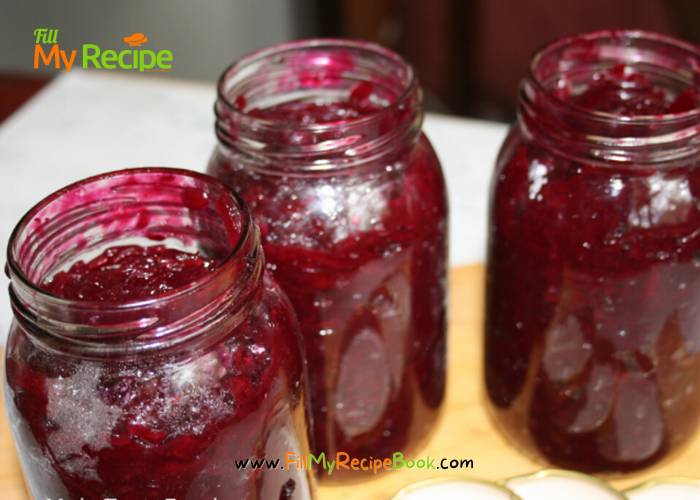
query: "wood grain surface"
464, 431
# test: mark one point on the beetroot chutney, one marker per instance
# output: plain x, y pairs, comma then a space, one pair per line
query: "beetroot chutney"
323, 140
593, 277
146, 372
129, 272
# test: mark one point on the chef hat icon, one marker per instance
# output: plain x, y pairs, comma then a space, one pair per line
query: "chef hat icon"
136, 39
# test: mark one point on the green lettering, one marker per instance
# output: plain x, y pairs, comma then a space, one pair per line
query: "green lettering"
136, 59
122, 64
398, 457
39, 32
87, 57
318, 460
330, 467
108, 57
163, 57
142, 60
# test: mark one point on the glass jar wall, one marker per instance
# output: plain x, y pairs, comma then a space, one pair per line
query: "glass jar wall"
593, 274
136, 374
323, 140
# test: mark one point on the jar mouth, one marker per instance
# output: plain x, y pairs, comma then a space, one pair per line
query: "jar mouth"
317, 72
609, 47
18, 273
410, 83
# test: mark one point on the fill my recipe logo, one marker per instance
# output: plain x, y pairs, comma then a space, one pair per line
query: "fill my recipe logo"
94, 57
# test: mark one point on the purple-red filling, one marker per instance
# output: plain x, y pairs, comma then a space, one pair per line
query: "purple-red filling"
132, 272
159, 426
361, 255
593, 297
621, 90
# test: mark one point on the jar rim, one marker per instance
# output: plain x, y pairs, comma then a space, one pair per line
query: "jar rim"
633, 34
16, 271
315, 43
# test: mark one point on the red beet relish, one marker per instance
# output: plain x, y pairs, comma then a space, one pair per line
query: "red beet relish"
385, 279
113, 396
131, 272
304, 113
622, 90
354, 228
593, 276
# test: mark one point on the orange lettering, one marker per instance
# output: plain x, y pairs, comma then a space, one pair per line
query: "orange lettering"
347, 457
289, 461
38, 51
66, 61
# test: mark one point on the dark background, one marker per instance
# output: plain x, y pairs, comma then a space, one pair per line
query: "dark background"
469, 54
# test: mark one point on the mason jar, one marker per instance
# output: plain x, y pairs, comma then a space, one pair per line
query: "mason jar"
163, 395
593, 276
323, 140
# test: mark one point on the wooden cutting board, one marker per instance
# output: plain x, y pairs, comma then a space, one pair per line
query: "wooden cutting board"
464, 432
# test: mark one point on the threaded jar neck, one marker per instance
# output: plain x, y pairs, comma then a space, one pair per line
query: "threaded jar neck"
605, 138
137, 206
317, 71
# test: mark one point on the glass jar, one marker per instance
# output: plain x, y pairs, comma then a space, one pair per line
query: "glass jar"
323, 140
158, 397
593, 276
